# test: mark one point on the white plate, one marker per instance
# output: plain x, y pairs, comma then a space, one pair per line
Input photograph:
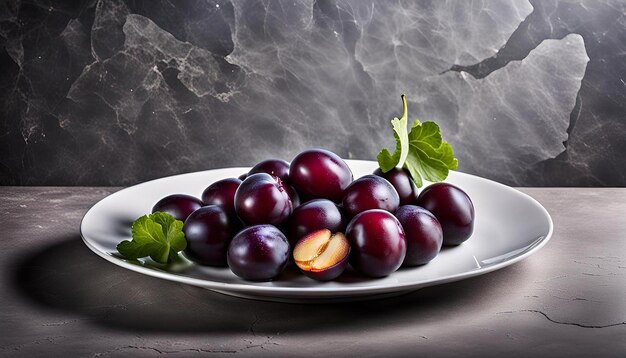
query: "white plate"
509, 226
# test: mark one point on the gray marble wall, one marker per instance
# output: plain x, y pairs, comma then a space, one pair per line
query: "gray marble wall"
118, 92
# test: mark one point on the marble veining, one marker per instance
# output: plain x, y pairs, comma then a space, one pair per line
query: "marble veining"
118, 92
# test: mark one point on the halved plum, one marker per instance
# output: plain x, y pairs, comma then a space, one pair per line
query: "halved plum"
322, 255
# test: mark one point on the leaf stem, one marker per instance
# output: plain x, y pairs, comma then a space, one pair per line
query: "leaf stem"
404, 150
404, 107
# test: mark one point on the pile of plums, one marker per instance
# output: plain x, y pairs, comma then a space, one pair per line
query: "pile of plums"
312, 212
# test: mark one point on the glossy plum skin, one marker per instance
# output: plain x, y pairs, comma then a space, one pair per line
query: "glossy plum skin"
274, 167
330, 273
314, 215
258, 253
318, 173
278, 168
243, 176
453, 208
401, 181
178, 205
262, 199
370, 192
293, 196
208, 232
378, 243
424, 236
222, 193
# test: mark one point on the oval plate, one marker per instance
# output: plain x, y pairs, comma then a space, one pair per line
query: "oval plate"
509, 226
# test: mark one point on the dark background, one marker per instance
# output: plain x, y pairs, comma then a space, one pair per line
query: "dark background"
118, 92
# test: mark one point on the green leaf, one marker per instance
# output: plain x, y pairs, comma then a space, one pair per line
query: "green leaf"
388, 161
157, 235
172, 229
429, 156
422, 151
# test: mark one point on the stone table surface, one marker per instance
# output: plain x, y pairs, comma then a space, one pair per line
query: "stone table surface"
58, 299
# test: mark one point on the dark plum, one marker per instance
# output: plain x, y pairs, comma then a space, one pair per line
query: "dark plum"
178, 205
453, 208
222, 193
423, 234
293, 196
314, 215
370, 192
400, 178
208, 231
278, 168
378, 243
258, 253
262, 199
243, 176
274, 167
318, 173
322, 255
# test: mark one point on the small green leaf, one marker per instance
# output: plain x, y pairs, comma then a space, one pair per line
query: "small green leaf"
388, 161
176, 236
157, 235
422, 151
429, 156
163, 219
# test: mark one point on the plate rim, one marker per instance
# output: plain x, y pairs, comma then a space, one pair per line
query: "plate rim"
539, 243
